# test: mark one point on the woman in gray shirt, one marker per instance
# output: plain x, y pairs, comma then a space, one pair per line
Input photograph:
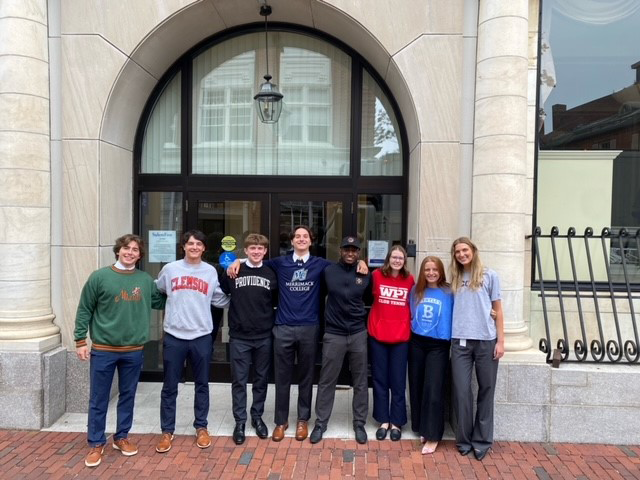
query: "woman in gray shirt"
477, 340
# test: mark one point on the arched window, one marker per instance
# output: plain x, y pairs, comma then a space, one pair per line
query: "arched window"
336, 160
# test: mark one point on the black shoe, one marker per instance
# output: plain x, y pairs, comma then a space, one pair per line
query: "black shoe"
361, 434
238, 434
381, 433
261, 429
316, 434
396, 434
464, 451
480, 454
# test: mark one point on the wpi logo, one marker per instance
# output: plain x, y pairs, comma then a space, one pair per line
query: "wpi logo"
393, 293
299, 275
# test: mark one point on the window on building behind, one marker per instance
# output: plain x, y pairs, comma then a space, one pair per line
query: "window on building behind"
589, 123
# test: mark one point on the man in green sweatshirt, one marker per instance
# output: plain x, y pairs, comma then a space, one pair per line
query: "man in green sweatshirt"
115, 308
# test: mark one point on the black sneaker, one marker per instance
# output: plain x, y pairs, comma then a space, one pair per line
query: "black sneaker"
316, 434
361, 434
238, 434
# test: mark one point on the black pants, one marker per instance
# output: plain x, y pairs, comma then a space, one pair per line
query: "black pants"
290, 342
242, 354
428, 366
334, 349
470, 433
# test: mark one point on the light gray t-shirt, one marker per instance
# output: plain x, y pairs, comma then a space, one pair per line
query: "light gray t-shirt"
472, 308
191, 290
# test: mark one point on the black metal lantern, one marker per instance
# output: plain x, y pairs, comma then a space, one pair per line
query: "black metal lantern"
268, 100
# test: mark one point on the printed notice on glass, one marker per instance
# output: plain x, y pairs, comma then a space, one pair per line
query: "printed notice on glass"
377, 251
162, 246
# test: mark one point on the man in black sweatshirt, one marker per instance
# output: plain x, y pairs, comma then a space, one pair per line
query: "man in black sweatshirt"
345, 333
250, 323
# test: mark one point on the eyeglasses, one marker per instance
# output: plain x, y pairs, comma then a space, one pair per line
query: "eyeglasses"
396, 258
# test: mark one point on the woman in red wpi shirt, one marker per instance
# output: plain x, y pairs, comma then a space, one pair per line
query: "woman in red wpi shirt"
389, 330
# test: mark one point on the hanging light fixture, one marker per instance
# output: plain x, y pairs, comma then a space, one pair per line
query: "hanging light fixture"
268, 99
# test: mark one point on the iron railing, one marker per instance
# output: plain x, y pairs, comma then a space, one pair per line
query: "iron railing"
592, 270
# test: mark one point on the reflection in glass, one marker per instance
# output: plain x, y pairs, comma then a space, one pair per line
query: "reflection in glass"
379, 218
589, 121
381, 151
325, 220
310, 137
161, 144
158, 211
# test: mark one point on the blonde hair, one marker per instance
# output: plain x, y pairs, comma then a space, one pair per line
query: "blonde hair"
457, 270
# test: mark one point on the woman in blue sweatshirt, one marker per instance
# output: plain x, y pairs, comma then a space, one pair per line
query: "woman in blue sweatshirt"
431, 303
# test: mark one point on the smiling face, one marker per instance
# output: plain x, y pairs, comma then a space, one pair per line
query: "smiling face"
349, 255
193, 250
464, 255
396, 261
255, 253
301, 241
129, 254
432, 274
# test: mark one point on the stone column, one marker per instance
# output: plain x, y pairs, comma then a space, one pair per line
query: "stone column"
500, 154
27, 330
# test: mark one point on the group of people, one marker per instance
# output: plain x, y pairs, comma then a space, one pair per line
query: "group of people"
421, 325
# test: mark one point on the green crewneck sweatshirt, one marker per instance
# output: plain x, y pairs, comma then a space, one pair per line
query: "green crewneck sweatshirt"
115, 307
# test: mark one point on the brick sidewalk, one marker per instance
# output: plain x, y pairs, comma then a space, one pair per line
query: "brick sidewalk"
57, 455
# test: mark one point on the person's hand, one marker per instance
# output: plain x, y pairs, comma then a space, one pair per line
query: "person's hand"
362, 267
498, 352
83, 353
233, 269
493, 314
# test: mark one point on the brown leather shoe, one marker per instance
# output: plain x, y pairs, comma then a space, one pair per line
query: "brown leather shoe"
203, 440
278, 432
94, 457
301, 430
164, 445
127, 448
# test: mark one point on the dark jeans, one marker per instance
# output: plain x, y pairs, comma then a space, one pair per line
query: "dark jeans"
101, 370
428, 366
289, 342
389, 372
242, 354
334, 348
476, 434
175, 352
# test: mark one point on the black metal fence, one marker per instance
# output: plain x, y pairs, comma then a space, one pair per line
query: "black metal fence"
599, 275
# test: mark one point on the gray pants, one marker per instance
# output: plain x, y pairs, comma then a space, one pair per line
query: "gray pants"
476, 434
334, 349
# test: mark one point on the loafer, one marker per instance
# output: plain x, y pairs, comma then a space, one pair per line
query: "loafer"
316, 434
301, 430
94, 457
381, 433
164, 445
261, 429
278, 432
203, 440
361, 434
480, 454
238, 434
396, 434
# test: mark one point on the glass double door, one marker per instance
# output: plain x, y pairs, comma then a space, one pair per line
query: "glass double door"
227, 219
